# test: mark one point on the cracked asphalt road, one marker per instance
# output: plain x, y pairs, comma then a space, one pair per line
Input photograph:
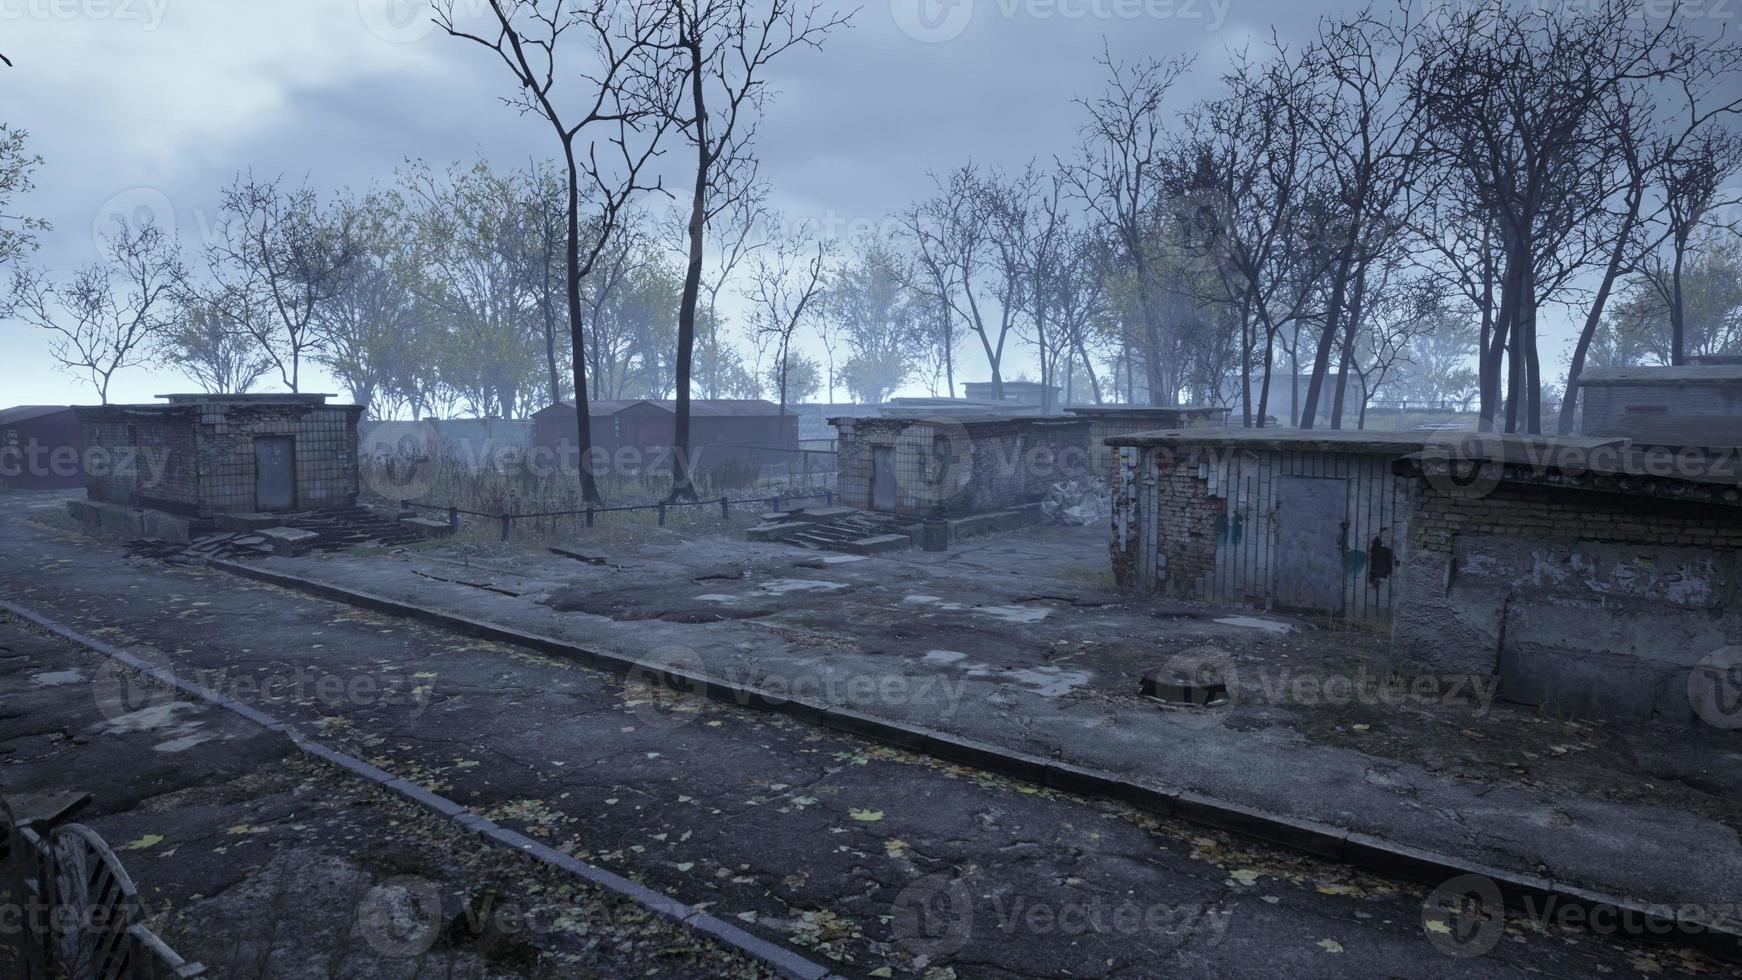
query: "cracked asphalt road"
881, 862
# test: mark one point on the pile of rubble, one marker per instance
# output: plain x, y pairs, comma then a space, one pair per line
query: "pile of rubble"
1078, 503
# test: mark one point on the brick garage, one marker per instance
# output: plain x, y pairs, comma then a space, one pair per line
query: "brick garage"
196, 455
1307, 521
955, 467
1590, 579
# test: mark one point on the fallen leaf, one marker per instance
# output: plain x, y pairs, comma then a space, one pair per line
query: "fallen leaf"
1330, 946
867, 816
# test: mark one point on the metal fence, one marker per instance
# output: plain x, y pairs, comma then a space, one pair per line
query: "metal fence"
77, 912
592, 514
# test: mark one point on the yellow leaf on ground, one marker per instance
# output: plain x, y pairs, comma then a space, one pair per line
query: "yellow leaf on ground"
866, 816
1330, 946
149, 840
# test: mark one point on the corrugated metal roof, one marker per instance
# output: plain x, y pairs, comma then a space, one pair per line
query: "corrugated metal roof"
24, 413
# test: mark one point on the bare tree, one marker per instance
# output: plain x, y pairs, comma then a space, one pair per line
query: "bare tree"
785, 288
722, 49
609, 132
202, 345
1366, 143
1511, 107
1693, 187
108, 316
1117, 175
281, 252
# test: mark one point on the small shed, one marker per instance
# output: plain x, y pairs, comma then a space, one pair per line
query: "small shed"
40, 448
638, 433
202, 455
1302, 520
955, 467
1691, 405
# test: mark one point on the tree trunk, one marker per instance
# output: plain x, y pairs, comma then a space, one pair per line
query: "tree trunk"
577, 348
681, 487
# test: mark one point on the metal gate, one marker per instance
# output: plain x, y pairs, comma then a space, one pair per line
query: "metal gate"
1311, 528
274, 473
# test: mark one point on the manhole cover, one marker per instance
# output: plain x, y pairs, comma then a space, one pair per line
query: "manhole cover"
1196, 678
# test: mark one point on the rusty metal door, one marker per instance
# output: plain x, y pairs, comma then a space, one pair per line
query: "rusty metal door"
274, 473
883, 479
1311, 524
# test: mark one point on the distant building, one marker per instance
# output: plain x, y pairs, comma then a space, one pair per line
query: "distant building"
927, 466
1288, 394
745, 430
40, 448
1694, 405
1029, 393
1118, 420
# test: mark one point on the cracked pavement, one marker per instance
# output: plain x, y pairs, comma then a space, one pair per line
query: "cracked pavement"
875, 860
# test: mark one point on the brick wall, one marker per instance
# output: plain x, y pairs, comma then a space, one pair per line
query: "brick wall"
141, 457
1559, 514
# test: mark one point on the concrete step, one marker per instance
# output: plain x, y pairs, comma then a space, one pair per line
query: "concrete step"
880, 544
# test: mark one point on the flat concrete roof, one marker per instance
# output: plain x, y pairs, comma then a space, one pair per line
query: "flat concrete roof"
259, 397
1688, 374
1353, 442
1138, 410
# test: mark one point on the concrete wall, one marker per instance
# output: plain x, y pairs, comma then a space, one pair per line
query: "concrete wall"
1691, 414
1590, 604
956, 468
1202, 522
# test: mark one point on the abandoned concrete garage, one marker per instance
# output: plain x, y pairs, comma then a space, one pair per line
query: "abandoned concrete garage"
203, 455
1590, 579
954, 467
1588, 576
1275, 518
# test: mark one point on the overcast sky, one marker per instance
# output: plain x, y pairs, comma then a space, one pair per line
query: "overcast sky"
156, 104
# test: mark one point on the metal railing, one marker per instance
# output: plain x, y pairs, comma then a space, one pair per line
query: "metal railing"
78, 913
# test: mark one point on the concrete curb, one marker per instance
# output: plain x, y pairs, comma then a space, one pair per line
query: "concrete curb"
776, 957
1658, 922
